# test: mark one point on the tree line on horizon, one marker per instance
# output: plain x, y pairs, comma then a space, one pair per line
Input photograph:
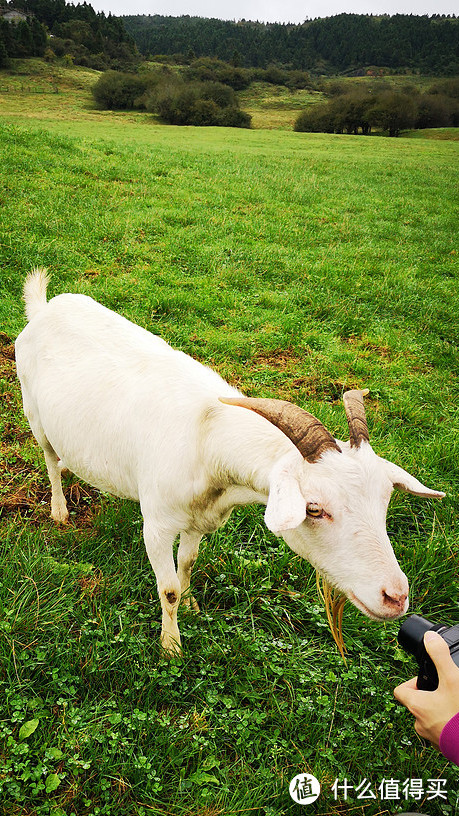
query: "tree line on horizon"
349, 43
331, 45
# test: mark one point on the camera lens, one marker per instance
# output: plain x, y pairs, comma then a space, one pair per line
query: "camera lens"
412, 631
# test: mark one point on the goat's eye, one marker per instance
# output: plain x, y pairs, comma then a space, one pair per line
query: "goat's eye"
314, 510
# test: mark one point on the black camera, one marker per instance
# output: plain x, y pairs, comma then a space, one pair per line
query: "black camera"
411, 639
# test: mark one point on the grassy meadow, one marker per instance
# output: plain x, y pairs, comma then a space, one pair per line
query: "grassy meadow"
297, 265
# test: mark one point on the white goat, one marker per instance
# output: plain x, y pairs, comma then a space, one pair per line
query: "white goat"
124, 411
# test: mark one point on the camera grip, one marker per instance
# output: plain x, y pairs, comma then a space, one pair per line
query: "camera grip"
428, 676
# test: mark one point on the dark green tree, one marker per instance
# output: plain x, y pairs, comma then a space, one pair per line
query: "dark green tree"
393, 112
119, 91
433, 110
3, 52
39, 37
23, 39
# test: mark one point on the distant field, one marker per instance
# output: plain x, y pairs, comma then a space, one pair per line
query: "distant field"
38, 90
30, 93
275, 107
297, 265
61, 92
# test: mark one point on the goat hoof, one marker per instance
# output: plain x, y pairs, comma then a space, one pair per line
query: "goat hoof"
191, 604
60, 516
171, 647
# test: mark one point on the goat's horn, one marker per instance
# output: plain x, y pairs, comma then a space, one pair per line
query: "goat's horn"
304, 430
356, 419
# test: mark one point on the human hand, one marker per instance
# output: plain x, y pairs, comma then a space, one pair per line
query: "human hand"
433, 709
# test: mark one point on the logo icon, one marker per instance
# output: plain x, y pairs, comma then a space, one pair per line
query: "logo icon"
304, 789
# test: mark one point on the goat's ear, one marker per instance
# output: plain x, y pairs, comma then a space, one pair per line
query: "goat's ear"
286, 507
404, 481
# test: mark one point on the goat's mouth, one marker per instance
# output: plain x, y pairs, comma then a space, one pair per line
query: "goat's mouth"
370, 613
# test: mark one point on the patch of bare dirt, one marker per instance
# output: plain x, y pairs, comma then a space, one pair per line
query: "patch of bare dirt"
6, 347
33, 502
283, 358
310, 384
91, 585
368, 345
7, 367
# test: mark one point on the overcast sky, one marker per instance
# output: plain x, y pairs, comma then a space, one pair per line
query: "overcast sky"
282, 11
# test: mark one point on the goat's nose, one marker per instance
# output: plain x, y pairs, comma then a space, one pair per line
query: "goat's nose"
394, 601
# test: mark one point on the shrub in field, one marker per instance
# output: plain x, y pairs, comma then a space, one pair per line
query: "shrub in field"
118, 91
350, 112
343, 114
433, 110
196, 103
223, 95
235, 117
203, 112
446, 87
297, 79
333, 88
208, 69
176, 101
391, 111
317, 119
274, 75
290, 78
176, 105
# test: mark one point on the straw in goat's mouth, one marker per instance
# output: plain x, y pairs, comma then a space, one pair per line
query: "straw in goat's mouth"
334, 601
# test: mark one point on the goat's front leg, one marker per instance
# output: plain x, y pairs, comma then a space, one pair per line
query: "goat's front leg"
186, 557
159, 547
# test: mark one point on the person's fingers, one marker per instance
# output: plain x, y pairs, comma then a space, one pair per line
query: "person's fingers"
438, 650
406, 692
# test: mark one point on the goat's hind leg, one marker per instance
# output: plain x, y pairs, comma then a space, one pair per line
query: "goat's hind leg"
186, 557
59, 512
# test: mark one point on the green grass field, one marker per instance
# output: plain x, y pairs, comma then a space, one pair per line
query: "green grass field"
297, 265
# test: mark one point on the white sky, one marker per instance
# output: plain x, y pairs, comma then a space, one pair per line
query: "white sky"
281, 11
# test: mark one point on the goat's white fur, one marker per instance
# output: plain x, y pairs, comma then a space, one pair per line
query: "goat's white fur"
124, 411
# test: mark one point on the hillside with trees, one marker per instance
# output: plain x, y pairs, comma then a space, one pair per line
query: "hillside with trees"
345, 42
23, 37
54, 28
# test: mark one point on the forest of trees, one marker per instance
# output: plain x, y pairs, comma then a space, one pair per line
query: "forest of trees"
344, 42
87, 37
349, 43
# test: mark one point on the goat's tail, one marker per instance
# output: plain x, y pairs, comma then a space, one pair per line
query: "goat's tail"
35, 291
